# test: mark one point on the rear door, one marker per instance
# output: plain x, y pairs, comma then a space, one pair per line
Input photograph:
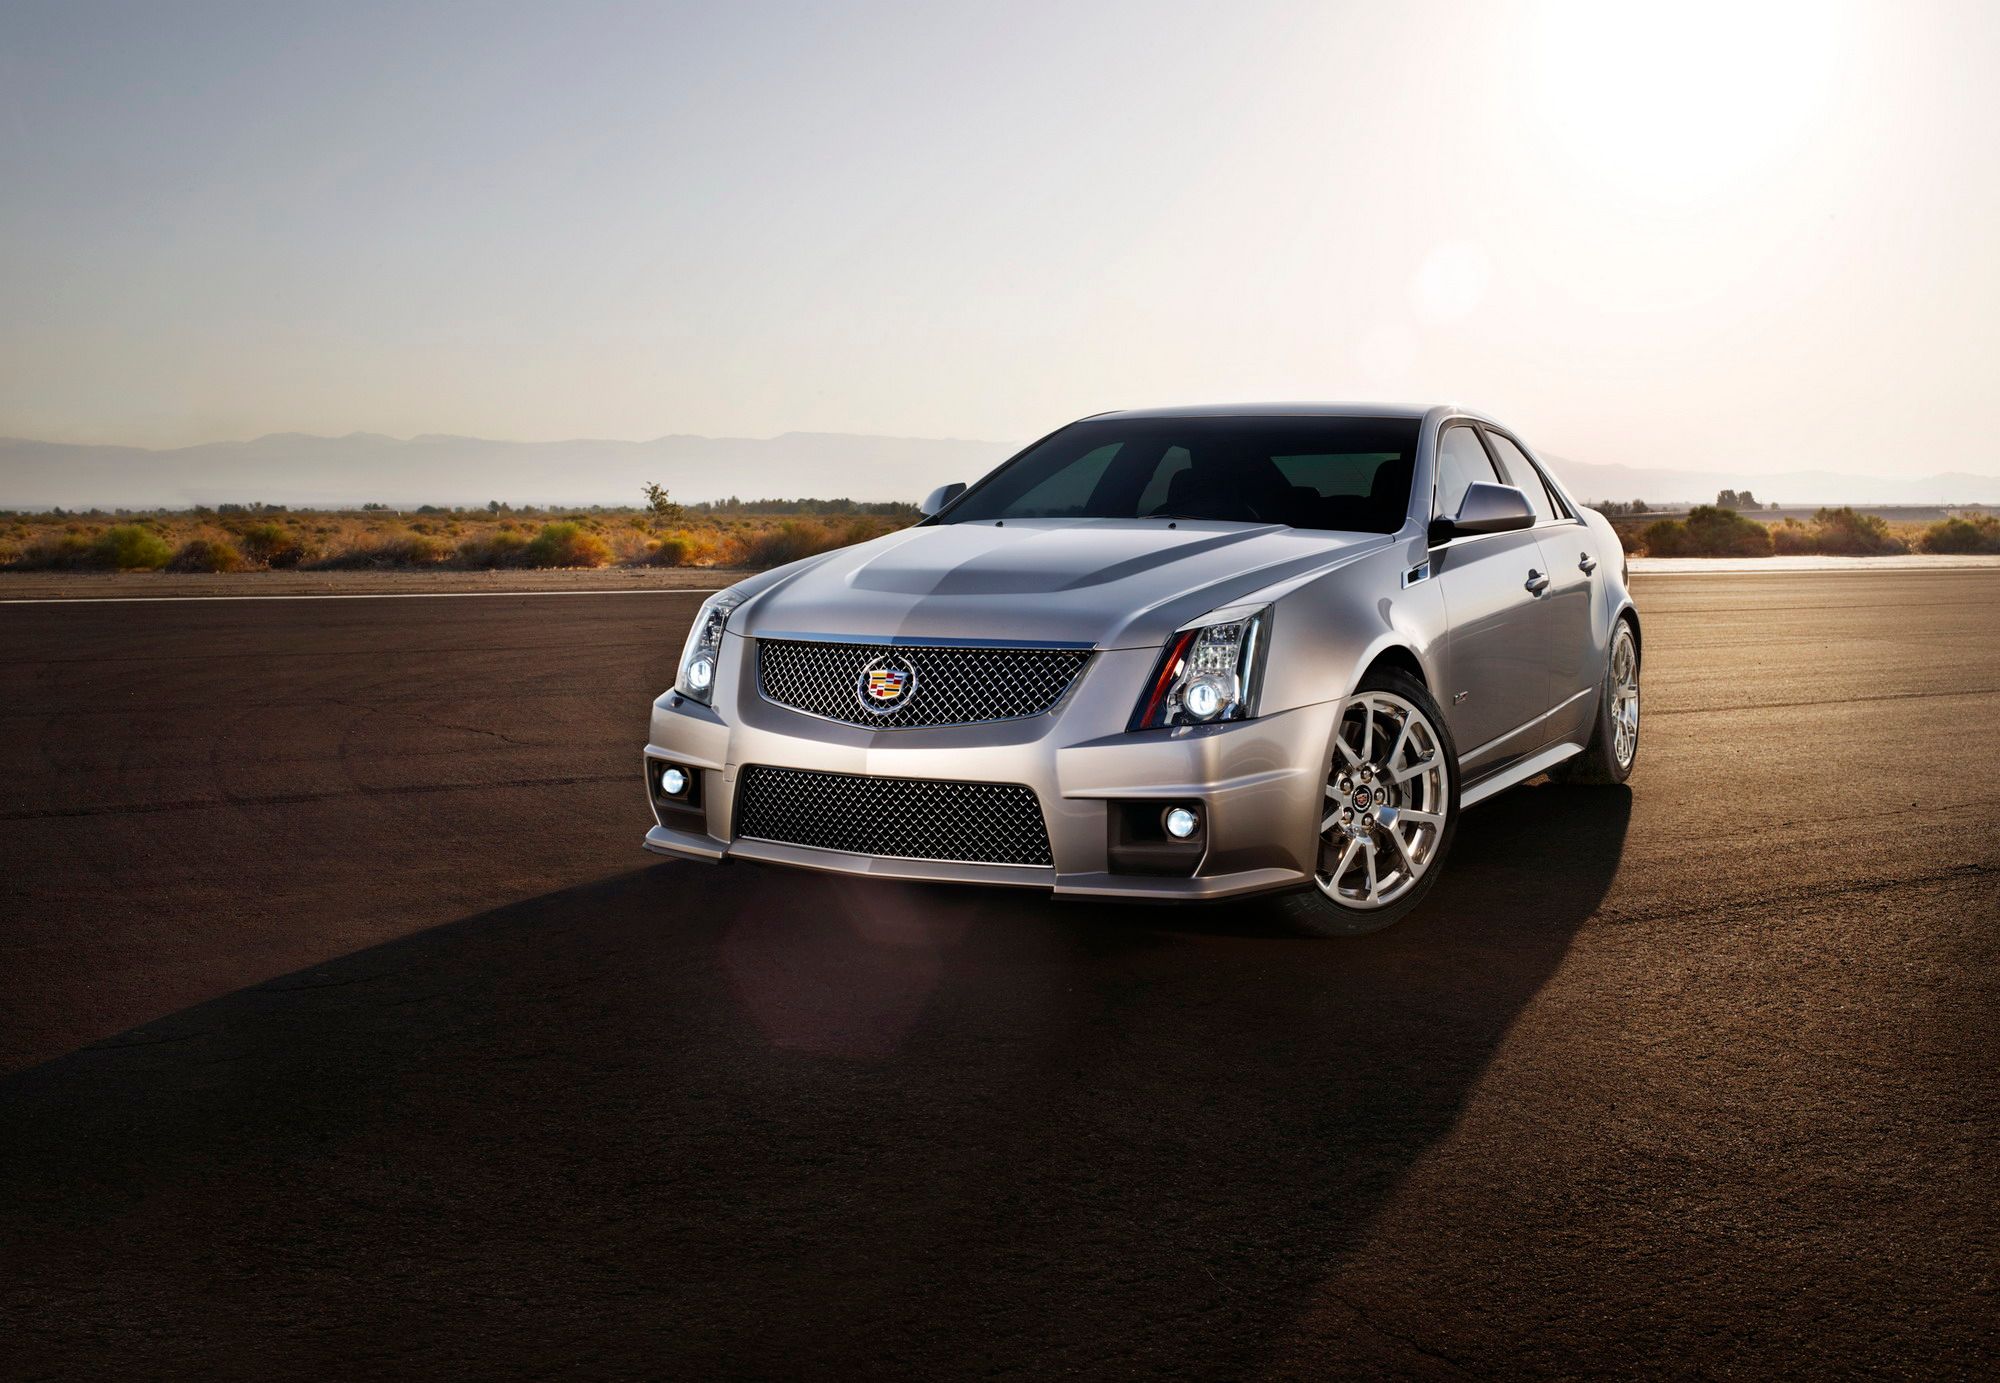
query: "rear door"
1569, 561
1496, 662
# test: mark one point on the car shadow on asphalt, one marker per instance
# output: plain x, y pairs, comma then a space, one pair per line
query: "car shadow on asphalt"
750, 1121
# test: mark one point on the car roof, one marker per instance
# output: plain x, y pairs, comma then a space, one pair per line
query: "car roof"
1278, 410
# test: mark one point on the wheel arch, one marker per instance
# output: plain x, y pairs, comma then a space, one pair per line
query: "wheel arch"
1629, 611
1399, 656
1390, 648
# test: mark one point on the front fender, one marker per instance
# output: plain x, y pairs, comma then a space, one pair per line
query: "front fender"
1327, 632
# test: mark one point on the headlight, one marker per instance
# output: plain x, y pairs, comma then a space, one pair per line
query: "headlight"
1209, 671
703, 650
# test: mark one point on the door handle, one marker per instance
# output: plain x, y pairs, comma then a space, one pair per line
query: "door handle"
1587, 564
1537, 583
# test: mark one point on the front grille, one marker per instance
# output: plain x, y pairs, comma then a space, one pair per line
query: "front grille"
953, 685
905, 818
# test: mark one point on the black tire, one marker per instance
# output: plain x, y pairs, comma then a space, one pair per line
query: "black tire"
1311, 910
1598, 765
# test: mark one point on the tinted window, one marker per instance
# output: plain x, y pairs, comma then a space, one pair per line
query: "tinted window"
1521, 472
1462, 463
1333, 475
1066, 493
1351, 474
1173, 461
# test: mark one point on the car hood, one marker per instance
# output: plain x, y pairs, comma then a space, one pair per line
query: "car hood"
1111, 583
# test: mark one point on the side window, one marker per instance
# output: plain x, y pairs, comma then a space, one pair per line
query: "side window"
1521, 474
1462, 462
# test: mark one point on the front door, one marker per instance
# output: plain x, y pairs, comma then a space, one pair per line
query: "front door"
1497, 648
1570, 563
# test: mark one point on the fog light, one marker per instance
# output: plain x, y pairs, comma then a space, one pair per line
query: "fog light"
1181, 822
673, 781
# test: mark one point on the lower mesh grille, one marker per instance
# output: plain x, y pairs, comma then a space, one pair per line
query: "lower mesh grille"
903, 818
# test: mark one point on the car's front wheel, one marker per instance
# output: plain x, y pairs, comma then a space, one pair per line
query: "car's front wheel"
1388, 813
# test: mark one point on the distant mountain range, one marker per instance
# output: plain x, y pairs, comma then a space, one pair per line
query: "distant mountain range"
362, 468
303, 471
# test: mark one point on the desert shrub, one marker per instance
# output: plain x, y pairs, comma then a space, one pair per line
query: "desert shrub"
1665, 538
1793, 539
857, 530
206, 554
629, 546
128, 547
707, 546
567, 544
503, 547
795, 538
1845, 533
59, 552
392, 550
1708, 531
1718, 532
786, 542
1962, 534
413, 550
701, 546
273, 544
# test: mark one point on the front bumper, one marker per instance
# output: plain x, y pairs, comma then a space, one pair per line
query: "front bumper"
1260, 782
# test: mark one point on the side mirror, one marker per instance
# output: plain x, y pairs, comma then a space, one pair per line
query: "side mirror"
943, 495
1486, 509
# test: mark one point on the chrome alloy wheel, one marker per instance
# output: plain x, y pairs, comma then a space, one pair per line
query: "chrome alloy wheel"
1624, 695
1386, 798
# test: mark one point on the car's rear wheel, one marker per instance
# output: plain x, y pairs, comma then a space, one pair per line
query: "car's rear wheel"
1388, 813
1614, 740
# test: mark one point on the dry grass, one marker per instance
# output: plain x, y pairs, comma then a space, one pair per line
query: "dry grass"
1708, 531
350, 541
346, 540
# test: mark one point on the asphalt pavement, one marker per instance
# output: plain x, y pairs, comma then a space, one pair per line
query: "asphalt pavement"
345, 1030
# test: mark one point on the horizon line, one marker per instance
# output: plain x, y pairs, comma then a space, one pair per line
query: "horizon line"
500, 441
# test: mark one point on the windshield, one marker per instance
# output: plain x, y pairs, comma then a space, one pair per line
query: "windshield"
1350, 474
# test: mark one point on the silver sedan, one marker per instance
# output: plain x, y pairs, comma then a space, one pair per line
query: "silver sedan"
1186, 653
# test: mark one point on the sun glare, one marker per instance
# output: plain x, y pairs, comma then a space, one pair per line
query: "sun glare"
1681, 102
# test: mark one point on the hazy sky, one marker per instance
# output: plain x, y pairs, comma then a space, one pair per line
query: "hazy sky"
1679, 235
